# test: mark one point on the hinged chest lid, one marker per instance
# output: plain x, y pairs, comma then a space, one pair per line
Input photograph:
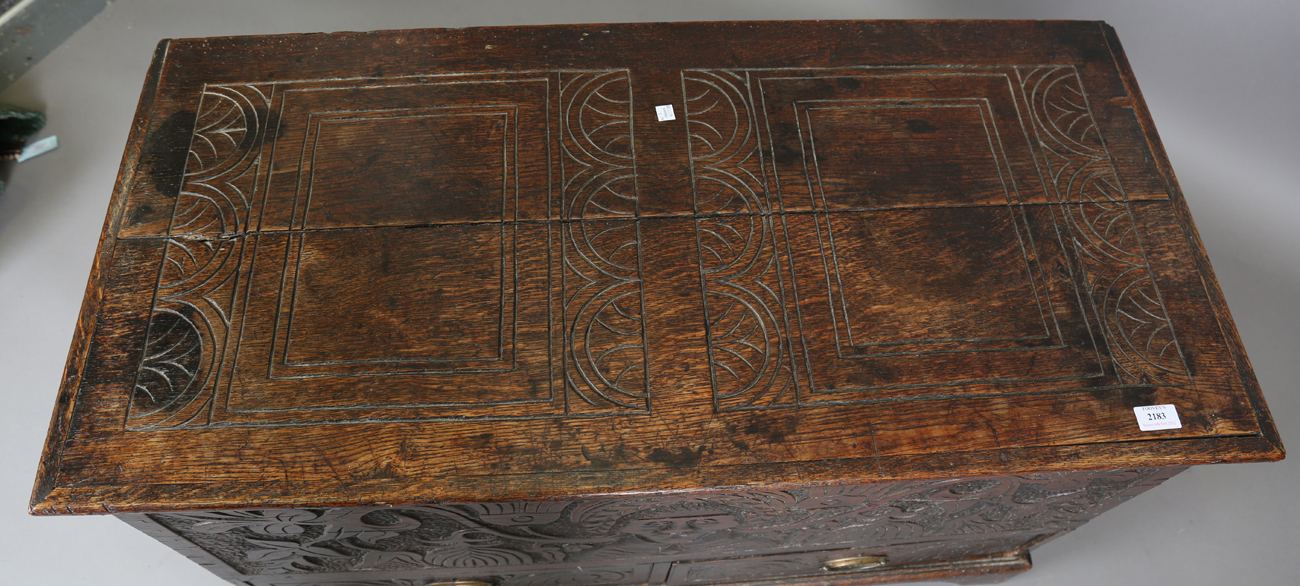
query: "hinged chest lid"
407, 266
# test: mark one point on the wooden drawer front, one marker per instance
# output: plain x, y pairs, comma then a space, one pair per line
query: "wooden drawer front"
694, 531
607, 576
812, 564
905, 559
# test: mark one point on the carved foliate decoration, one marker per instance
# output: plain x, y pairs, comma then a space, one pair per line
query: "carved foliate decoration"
615, 531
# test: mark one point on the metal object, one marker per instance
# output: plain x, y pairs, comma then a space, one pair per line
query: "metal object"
860, 562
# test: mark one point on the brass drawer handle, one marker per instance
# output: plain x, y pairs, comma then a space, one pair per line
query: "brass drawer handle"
860, 562
458, 583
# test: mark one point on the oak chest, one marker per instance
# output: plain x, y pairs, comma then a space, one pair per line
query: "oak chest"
643, 304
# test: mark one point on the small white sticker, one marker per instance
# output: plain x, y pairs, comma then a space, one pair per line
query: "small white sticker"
1157, 417
665, 112
39, 147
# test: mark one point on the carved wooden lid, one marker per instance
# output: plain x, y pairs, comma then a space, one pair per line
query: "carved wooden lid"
410, 266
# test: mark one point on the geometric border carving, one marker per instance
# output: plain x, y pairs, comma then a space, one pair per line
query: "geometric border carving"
594, 282
747, 270
1101, 230
603, 300
746, 290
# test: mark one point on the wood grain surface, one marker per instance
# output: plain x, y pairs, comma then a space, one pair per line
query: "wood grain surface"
423, 266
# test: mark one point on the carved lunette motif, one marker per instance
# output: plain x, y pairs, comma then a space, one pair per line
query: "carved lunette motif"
596, 247
605, 347
1102, 232
191, 318
509, 535
745, 304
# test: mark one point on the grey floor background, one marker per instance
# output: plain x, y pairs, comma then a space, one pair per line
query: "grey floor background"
1221, 79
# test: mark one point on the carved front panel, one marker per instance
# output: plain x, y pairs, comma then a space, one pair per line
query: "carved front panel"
495, 537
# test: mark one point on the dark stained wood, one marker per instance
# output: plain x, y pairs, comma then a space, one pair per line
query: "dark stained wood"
1179, 207
948, 529
470, 271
